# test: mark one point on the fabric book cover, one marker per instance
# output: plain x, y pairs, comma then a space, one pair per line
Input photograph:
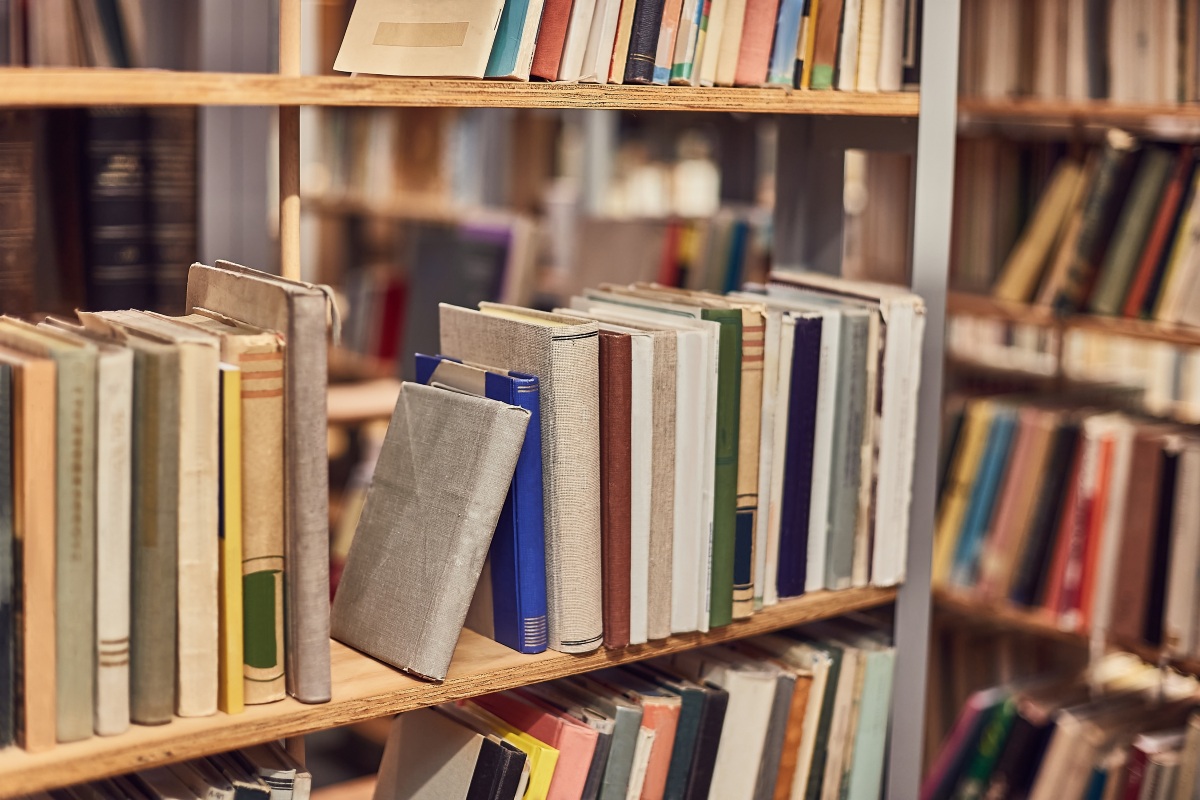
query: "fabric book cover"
643, 41
514, 613
428, 755
754, 54
413, 565
616, 388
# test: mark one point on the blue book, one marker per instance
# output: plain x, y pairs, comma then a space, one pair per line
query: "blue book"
798, 458
502, 62
783, 51
515, 612
983, 497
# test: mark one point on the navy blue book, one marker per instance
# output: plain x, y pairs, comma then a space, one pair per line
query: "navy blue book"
510, 602
798, 459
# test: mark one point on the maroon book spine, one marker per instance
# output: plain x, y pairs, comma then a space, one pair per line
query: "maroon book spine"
552, 36
616, 405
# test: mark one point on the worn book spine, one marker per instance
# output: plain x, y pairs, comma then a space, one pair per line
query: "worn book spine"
729, 390
662, 488
230, 691
754, 53
708, 740
714, 33
643, 41
777, 723
114, 444
552, 37
570, 67
171, 162
749, 435
766, 449
704, 12
806, 45
788, 38
870, 44
8, 567
615, 472
17, 212
1153, 258
799, 431
824, 482
502, 61
685, 42
666, 41
825, 44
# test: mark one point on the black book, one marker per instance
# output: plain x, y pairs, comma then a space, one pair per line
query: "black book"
8, 568
798, 458
494, 771
643, 41
1156, 602
1048, 509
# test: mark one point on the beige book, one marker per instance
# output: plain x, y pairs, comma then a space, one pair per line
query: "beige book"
1026, 263
75, 518
564, 354
1058, 272
714, 38
197, 593
259, 354
731, 41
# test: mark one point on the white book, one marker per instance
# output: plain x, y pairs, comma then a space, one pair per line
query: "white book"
706, 70
844, 702
641, 429
1121, 431
891, 46
848, 49
529, 32
570, 68
870, 41
731, 41
822, 460
783, 393
598, 57
1074, 55
766, 450
1179, 622
423, 38
641, 760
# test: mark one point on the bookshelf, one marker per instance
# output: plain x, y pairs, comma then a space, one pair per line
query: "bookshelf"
1157, 119
364, 688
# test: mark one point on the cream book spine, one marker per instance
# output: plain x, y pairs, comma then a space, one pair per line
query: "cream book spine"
689, 589
822, 485
1178, 622
787, 345
869, 43
843, 709
641, 760
848, 51
571, 66
642, 450
731, 42
662, 491
891, 47
598, 56
749, 438
861, 573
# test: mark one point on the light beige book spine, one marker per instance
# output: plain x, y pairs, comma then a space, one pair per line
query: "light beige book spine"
713, 42
766, 448
849, 682
754, 326
731, 41
861, 570
662, 489
783, 388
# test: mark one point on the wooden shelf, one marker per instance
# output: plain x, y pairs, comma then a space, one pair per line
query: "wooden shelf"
1167, 120
364, 688
100, 87
357, 789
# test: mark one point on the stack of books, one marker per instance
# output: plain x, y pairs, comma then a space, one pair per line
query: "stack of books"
1088, 516
680, 460
798, 714
1112, 232
849, 45
1127, 51
262, 772
1126, 731
163, 491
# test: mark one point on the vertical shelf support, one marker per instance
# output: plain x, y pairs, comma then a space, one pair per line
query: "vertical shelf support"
289, 145
931, 259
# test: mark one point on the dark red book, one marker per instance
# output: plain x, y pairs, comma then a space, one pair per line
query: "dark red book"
616, 456
551, 38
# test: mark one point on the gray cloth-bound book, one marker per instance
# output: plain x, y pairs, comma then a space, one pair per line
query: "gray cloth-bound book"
442, 476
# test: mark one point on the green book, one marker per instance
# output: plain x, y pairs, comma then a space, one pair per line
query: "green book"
729, 393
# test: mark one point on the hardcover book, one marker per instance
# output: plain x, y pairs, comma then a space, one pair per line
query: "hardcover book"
8, 567
231, 659
616, 388
516, 37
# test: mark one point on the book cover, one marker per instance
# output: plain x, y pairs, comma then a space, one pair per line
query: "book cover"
683, 59
712, 32
388, 604
846, 74
643, 41
692, 698
731, 43
800, 429
892, 46
805, 45
616, 387
618, 63
551, 38
667, 34
1132, 587
980, 508
230, 690
660, 713
870, 45
641, 436
1166, 221
827, 24
749, 438
708, 740
428, 754
627, 718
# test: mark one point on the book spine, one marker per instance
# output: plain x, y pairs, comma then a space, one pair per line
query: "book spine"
847, 451
119, 253
154, 564
502, 61
798, 459
708, 740
17, 212
230, 689
704, 10
575, 46
620, 53
808, 42
754, 54
262, 568
643, 41
731, 42
729, 391
114, 442
171, 161
672, 10
820, 519
869, 45
766, 448
847, 60
685, 41
662, 489
8, 567
714, 34
552, 37
825, 46
891, 46
615, 474
749, 434
1153, 259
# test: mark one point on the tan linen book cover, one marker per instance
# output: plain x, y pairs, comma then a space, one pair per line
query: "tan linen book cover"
259, 354
440, 482
298, 311
420, 38
564, 353
33, 470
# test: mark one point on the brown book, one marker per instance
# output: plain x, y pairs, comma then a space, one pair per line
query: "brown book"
17, 262
790, 757
825, 43
1137, 542
33, 417
552, 36
616, 404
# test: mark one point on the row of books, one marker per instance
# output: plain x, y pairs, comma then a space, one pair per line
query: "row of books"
1127, 51
1086, 515
73, 33
1112, 233
262, 772
681, 459
793, 715
850, 45
157, 472
1125, 730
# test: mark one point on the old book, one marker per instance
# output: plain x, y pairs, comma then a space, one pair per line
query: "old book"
825, 43
981, 506
1131, 590
1151, 262
199, 522
846, 74
806, 45
667, 33
575, 45
766, 445
754, 53
641, 435
555, 697
811, 665
708, 740
870, 45
154, 560
563, 353
660, 714
731, 42
510, 601
692, 68
597, 59
203, 780
17, 212
260, 357
1182, 263
516, 38
780, 434
692, 698
627, 718
1179, 635
712, 32
891, 46
552, 37
231, 694
643, 41
298, 311
615, 479
621, 40
8, 567
788, 43
75, 519
447, 39
541, 757
452, 434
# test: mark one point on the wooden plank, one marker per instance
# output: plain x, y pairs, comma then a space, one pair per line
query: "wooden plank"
1168, 120
98, 87
364, 688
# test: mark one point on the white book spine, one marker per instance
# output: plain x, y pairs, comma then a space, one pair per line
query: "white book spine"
869, 44
861, 576
685, 40
711, 55
822, 479
687, 564
743, 737
1110, 542
578, 32
891, 46
731, 42
641, 447
787, 332
1075, 72
114, 524
710, 469
765, 451
641, 760
848, 51
1179, 621
604, 28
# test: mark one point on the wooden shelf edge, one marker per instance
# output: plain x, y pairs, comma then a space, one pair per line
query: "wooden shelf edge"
1171, 118
45, 87
365, 689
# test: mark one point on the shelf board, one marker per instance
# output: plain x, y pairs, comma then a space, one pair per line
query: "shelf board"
1163, 119
98, 87
364, 688
355, 789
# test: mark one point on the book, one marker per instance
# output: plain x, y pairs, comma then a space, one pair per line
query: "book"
892, 45
627, 719
826, 23
846, 75
1165, 223
422, 620
575, 45
870, 45
563, 353
799, 465
298, 311
8, 570
541, 757
231, 658
641, 434
754, 53
616, 472
731, 42
510, 602
643, 41
449, 40
17, 212
551, 38
597, 59
692, 698
516, 35
618, 64
666, 41
429, 754
172, 164
683, 59
708, 57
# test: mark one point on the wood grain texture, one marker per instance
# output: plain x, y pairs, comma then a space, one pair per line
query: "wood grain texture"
364, 688
26, 87
1164, 120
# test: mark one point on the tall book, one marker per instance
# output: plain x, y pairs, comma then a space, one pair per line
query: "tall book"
75, 519
412, 569
8, 567
597, 59
260, 358
685, 42
804, 382
827, 24
564, 354
231, 696
621, 41
516, 37
758, 33
708, 57
551, 38
846, 76
575, 46
870, 44
891, 46
666, 41
643, 41
1152, 262
17, 212
731, 42
510, 602
616, 456
298, 311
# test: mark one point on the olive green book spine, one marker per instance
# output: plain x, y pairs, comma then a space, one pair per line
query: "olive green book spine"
729, 389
